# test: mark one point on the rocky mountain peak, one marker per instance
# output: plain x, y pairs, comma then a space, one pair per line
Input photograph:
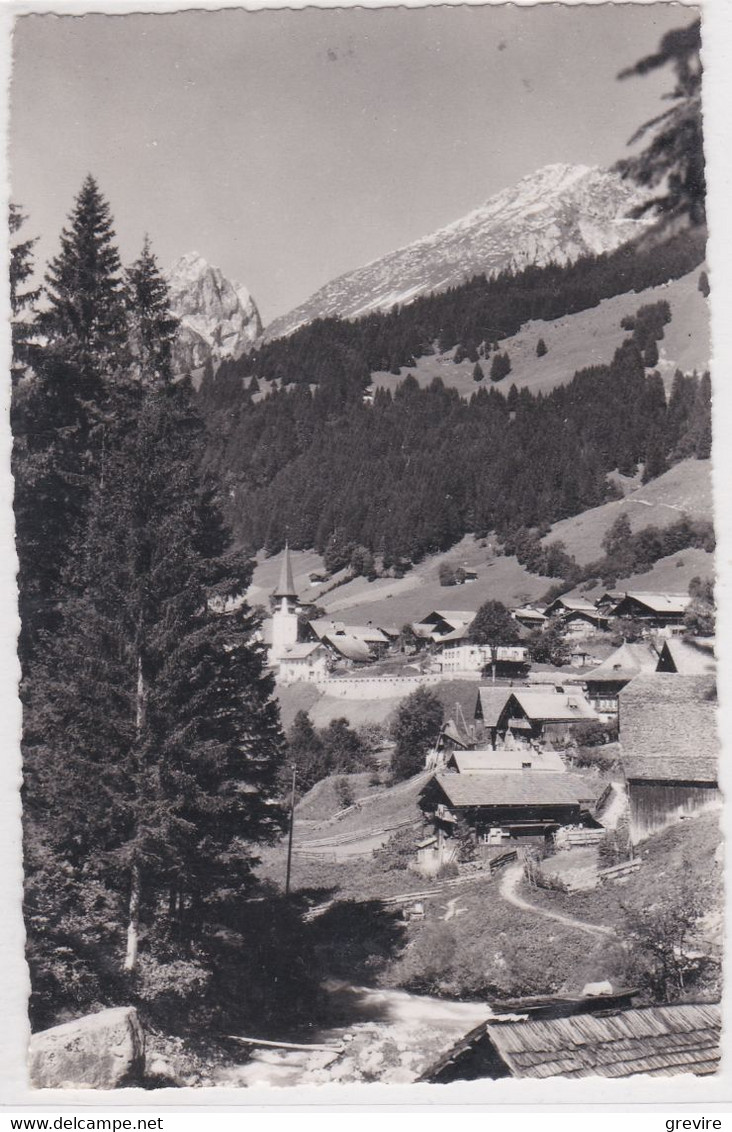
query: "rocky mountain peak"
218, 317
557, 213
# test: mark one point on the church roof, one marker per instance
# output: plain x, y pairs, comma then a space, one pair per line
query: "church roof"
286, 585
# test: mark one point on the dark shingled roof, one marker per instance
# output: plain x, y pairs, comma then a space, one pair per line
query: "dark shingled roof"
511, 789
668, 717
658, 1041
674, 768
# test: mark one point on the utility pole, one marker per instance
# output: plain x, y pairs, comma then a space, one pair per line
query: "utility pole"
292, 828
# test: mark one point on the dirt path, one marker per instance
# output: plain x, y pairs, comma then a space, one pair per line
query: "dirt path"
509, 884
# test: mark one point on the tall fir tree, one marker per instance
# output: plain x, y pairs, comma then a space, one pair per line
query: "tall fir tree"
22, 301
61, 420
153, 743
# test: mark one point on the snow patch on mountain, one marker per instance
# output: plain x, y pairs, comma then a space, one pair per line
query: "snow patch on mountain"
557, 214
218, 317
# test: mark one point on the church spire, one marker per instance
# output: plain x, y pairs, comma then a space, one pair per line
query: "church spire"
286, 585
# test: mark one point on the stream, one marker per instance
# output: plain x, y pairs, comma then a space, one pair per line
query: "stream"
391, 1036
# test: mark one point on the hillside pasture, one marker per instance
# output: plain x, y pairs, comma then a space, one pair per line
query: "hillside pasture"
577, 341
686, 488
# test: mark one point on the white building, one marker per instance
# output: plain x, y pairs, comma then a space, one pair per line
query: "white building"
306, 662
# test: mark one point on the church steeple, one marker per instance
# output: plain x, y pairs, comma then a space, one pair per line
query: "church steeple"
286, 585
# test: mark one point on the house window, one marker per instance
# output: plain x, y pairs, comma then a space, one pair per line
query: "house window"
526, 766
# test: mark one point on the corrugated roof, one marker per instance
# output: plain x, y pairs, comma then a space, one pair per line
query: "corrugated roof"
488, 761
658, 1041
625, 663
513, 789
553, 707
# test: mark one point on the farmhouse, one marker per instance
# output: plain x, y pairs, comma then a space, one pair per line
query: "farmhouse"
660, 611
606, 681
550, 717
653, 1041
669, 749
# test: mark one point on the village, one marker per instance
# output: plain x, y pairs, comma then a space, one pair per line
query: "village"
554, 781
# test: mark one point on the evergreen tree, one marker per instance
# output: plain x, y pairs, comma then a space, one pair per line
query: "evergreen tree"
541, 348
500, 367
153, 740
60, 421
674, 154
21, 269
478, 374
151, 328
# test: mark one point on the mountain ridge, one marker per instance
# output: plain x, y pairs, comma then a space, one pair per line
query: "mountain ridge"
556, 214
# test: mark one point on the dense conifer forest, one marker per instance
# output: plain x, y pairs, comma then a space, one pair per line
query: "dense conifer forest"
406, 475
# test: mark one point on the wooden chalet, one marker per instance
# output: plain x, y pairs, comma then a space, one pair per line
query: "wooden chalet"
529, 617
596, 1039
533, 714
669, 749
568, 603
605, 682
659, 611
444, 626
493, 805
689, 656
582, 623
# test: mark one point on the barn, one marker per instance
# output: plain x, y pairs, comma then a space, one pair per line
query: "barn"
669, 749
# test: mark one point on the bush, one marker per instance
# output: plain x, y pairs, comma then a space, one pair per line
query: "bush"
344, 792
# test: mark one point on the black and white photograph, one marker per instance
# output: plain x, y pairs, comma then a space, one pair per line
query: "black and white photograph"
363, 497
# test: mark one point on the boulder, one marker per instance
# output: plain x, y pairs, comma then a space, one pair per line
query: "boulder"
99, 1051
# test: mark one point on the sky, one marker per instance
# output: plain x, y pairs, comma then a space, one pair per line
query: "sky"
288, 147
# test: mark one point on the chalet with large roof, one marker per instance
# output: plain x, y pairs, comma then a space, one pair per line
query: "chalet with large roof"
544, 715
662, 612
669, 748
